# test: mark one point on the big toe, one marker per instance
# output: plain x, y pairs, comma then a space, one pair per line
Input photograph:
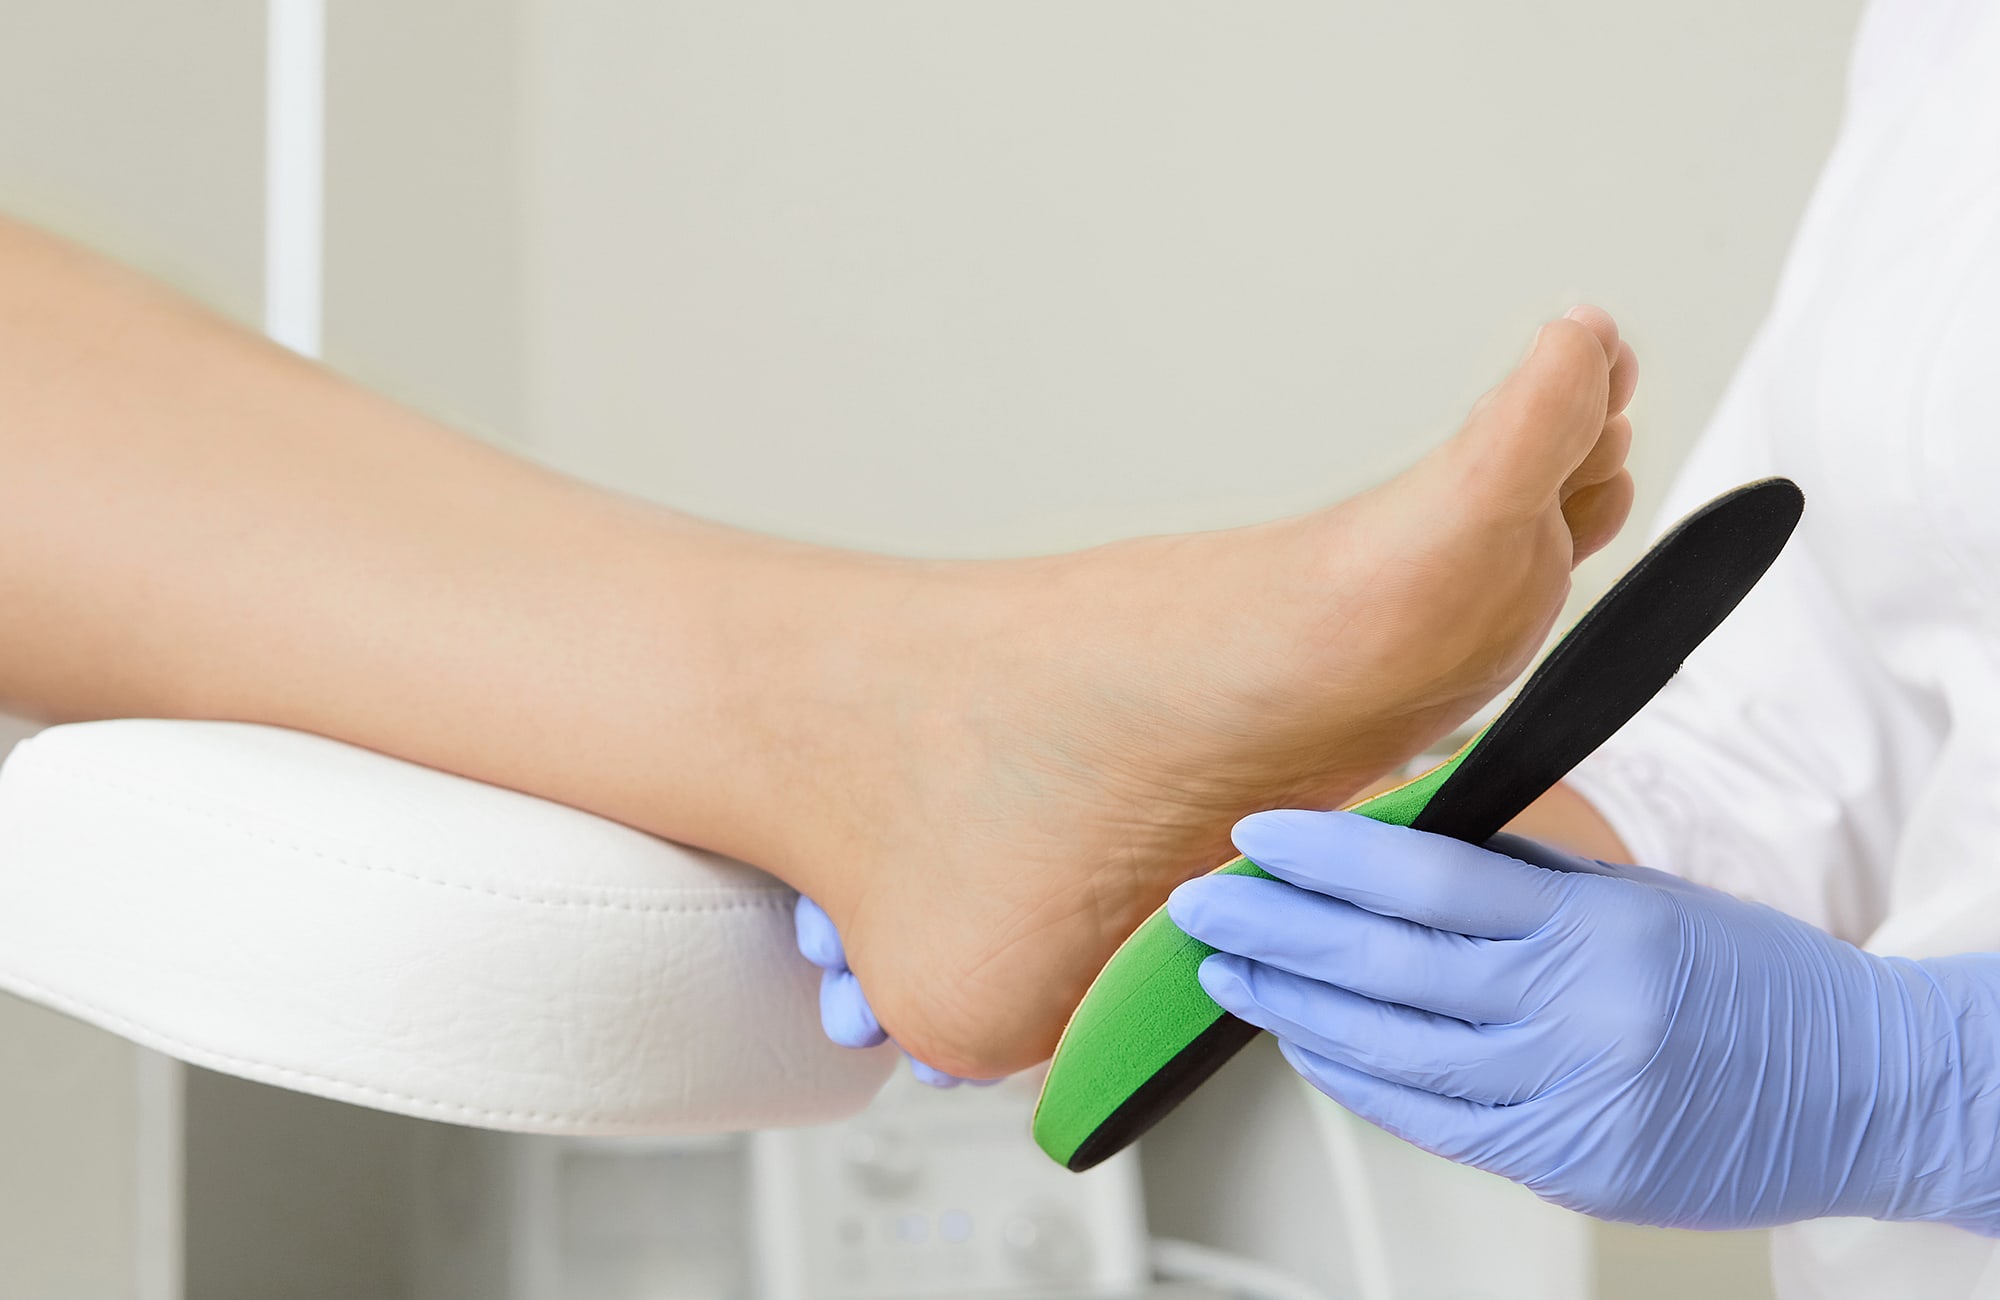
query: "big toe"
1624, 362
1528, 436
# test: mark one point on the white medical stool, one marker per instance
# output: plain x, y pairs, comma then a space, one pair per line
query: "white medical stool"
304, 913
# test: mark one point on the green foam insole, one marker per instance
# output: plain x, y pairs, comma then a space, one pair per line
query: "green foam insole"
1146, 1036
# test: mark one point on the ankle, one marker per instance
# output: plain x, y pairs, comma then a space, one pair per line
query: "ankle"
834, 670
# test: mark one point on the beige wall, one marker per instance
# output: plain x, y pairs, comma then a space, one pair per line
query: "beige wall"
425, 205
990, 277
137, 128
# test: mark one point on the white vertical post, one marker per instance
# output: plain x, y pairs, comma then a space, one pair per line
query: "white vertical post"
294, 171
160, 1226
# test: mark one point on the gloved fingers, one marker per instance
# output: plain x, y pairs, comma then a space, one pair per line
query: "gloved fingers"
1334, 942
1415, 1048
1430, 879
1393, 871
1445, 1126
817, 937
844, 1011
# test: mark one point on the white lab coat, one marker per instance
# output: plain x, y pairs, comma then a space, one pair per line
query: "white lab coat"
1834, 750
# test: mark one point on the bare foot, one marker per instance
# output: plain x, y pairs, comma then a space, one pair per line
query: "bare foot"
1086, 728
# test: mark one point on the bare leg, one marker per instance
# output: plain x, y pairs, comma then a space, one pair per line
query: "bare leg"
988, 773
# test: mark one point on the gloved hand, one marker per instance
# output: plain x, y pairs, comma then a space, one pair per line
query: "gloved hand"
1623, 1042
843, 1008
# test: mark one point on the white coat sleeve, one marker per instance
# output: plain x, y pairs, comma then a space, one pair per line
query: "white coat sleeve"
1779, 763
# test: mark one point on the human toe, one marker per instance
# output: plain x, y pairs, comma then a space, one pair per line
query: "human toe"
1624, 378
1618, 354
1528, 436
1605, 460
1599, 322
1595, 514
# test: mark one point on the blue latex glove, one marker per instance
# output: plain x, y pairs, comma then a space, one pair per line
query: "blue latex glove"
843, 1008
1623, 1042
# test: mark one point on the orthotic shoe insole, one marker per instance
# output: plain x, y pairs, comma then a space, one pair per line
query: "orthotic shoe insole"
1146, 1036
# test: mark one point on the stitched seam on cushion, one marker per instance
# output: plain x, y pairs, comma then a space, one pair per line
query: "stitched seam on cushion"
768, 897
197, 1055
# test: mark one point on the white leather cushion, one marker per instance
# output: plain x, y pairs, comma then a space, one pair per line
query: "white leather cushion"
306, 913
